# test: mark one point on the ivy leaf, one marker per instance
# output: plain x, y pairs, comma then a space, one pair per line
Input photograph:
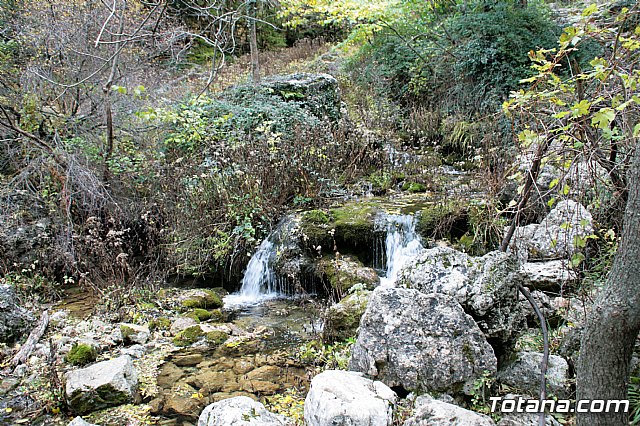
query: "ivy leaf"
581, 108
603, 118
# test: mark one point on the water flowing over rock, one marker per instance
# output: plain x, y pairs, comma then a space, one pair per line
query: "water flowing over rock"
554, 237
239, 411
420, 342
484, 286
524, 374
402, 244
105, 384
432, 412
347, 398
14, 320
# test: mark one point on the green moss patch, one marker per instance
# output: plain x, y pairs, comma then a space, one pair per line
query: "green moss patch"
216, 337
443, 221
205, 299
162, 323
354, 223
188, 336
414, 187
199, 314
81, 354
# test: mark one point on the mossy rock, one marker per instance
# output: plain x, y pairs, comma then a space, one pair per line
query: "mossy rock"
414, 187
216, 337
81, 354
188, 336
344, 272
316, 227
354, 224
126, 332
204, 299
343, 319
199, 314
443, 221
162, 323
217, 315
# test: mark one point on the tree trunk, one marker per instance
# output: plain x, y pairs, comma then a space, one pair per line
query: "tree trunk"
613, 324
253, 42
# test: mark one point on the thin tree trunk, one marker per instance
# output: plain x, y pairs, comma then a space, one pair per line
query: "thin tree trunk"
614, 322
253, 42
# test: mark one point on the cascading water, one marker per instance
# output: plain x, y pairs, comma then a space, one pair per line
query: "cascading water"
402, 243
260, 281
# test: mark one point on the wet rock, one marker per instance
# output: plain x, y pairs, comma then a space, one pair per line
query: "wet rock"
238, 411
79, 421
420, 342
524, 374
484, 286
105, 384
188, 360
432, 412
347, 398
169, 374
343, 318
550, 275
15, 321
555, 236
133, 333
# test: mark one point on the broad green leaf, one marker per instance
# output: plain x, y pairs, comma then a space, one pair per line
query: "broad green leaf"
603, 118
577, 259
581, 108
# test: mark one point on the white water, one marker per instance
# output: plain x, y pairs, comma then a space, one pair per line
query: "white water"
402, 244
259, 281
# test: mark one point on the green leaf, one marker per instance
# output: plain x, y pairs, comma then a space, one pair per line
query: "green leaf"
565, 189
603, 118
590, 10
581, 108
554, 183
577, 259
636, 130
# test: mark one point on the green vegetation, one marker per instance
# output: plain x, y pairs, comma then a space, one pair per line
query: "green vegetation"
188, 336
199, 314
161, 323
81, 354
216, 337
208, 299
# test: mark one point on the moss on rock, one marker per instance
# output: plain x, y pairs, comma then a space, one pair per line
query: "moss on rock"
344, 272
343, 319
442, 220
414, 187
162, 323
216, 337
199, 314
81, 354
203, 299
188, 336
354, 223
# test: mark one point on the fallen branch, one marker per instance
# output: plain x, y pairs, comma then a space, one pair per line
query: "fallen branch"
36, 334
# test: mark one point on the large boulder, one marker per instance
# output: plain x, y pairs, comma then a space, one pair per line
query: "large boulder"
432, 412
555, 237
343, 318
347, 398
420, 341
239, 411
486, 286
105, 384
523, 373
14, 320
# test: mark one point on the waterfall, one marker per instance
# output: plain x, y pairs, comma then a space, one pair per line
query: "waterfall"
260, 282
402, 244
